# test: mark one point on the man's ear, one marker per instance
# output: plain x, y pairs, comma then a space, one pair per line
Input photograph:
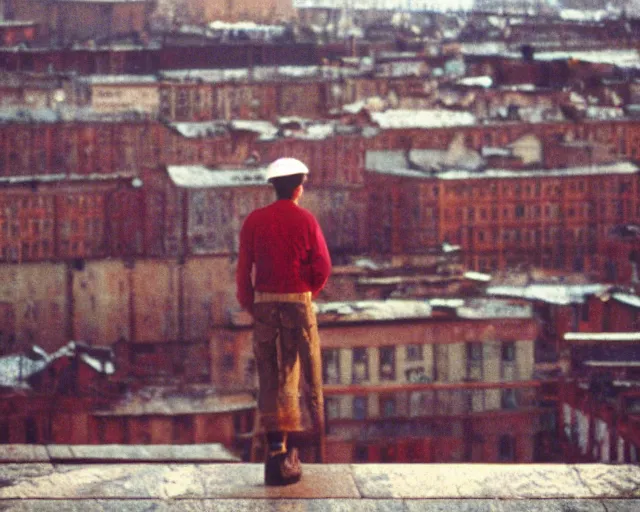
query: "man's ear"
297, 192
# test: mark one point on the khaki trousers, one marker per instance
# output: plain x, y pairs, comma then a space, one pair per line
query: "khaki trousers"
286, 344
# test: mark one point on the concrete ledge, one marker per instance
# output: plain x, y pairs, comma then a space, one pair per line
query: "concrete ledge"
70, 453
383, 487
363, 505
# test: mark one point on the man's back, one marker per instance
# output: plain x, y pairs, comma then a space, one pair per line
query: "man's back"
288, 249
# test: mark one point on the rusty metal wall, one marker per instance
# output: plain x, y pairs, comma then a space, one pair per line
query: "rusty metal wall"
37, 295
102, 302
156, 296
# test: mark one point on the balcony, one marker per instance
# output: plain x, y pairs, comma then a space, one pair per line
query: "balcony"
34, 477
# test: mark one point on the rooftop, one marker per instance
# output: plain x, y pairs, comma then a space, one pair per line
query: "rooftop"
56, 484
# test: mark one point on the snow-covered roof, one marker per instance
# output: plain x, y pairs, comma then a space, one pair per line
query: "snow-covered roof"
615, 168
55, 178
560, 294
199, 176
603, 113
487, 308
420, 161
160, 401
428, 118
257, 74
265, 129
396, 309
244, 25
476, 81
16, 369
16, 23
119, 79
628, 299
373, 310
603, 336
623, 58
484, 48
612, 364
200, 129
106, 367
477, 276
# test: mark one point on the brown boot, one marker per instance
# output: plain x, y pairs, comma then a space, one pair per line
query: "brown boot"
283, 468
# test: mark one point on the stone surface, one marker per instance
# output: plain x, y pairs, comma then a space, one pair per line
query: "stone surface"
213, 452
497, 481
23, 453
12, 474
495, 505
177, 481
231, 505
320, 505
342, 488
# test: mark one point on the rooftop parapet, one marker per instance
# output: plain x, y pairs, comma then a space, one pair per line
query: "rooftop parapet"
403, 487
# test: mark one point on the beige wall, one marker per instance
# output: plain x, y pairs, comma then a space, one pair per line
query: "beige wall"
123, 98
248, 10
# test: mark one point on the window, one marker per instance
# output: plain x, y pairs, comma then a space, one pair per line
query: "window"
360, 372
509, 351
416, 375
474, 351
506, 448
360, 452
474, 361
387, 406
414, 353
331, 366
30, 431
359, 407
387, 363
509, 398
332, 407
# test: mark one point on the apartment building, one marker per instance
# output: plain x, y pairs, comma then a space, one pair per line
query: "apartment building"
599, 398
408, 381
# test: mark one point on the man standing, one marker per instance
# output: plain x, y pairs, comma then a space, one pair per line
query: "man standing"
285, 246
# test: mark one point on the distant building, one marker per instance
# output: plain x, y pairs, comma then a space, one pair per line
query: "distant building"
599, 405
67, 21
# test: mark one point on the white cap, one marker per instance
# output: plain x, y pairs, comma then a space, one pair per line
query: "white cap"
286, 167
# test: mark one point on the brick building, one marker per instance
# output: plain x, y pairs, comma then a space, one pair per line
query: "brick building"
599, 398
405, 202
